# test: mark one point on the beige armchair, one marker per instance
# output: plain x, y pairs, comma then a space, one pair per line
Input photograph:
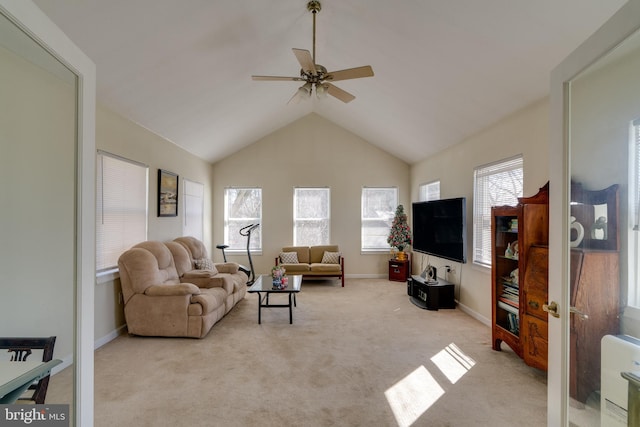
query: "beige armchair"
158, 303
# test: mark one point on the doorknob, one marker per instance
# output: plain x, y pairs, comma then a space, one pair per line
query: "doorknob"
551, 308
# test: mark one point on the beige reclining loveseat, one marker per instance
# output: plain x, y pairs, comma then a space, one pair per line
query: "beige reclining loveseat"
166, 294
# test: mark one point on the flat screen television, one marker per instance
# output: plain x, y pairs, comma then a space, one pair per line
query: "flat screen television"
440, 228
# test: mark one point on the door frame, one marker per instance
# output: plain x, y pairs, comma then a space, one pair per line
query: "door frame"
618, 28
30, 19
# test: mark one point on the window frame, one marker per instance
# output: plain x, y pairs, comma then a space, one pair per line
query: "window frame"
482, 211
326, 219
386, 247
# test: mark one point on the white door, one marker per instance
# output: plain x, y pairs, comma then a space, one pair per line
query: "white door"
47, 224
595, 99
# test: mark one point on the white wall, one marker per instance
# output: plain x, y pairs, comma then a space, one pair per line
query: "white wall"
523, 132
314, 152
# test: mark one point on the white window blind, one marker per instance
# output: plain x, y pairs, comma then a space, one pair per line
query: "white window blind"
429, 191
121, 207
242, 207
193, 202
496, 184
311, 216
378, 209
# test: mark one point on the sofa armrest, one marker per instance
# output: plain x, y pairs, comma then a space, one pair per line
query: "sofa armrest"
169, 290
228, 267
224, 281
199, 274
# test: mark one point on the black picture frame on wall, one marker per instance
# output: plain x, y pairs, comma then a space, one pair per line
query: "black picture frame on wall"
167, 193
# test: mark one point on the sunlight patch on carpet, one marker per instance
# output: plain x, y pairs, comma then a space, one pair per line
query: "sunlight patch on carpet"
453, 363
410, 397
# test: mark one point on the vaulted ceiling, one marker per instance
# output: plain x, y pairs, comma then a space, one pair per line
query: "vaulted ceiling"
443, 69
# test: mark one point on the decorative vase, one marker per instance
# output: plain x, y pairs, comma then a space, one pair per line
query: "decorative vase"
401, 256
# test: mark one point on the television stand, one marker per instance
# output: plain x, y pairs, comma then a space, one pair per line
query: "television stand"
431, 295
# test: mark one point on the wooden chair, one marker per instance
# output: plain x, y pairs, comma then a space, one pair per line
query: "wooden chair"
21, 349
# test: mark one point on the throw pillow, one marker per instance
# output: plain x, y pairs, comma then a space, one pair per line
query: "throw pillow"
203, 264
289, 257
331, 258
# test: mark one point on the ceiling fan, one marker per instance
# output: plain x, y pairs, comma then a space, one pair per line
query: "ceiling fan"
315, 75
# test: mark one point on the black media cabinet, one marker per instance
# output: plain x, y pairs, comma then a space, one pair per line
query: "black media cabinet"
429, 295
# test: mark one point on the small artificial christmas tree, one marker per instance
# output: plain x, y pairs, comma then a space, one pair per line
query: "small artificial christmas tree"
400, 235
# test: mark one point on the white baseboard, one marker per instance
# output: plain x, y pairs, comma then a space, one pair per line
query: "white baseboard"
109, 337
68, 359
474, 314
365, 276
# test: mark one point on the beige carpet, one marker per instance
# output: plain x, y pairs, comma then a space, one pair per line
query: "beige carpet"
362, 355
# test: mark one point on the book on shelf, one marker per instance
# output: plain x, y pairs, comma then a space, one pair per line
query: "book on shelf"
514, 325
507, 307
513, 303
510, 291
506, 281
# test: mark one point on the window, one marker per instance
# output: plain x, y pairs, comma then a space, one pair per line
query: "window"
121, 207
242, 207
378, 208
429, 191
311, 216
496, 184
193, 205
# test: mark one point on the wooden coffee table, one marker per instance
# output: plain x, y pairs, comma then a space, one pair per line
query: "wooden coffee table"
264, 285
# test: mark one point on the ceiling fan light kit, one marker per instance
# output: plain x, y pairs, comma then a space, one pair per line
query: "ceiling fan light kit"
315, 75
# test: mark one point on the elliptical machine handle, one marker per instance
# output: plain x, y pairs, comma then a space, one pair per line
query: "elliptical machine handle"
249, 228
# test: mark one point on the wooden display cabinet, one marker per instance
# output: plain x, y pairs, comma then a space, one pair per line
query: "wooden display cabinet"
514, 230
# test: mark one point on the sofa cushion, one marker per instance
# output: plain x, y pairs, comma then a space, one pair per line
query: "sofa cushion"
331, 257
295, 268
325, 268
302, 251
210, 299
316, 252
204, 264
289, 257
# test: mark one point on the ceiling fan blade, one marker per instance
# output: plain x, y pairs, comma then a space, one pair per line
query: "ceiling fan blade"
342, 95
296, 98
306, 60
274, 78
350, 73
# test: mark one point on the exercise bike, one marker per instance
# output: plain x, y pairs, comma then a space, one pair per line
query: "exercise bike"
244, 231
